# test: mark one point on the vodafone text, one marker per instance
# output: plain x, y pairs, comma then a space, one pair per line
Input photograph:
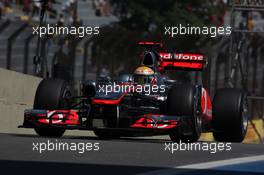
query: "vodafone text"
181, 56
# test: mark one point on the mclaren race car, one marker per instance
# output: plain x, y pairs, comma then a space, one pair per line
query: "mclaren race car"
144, 103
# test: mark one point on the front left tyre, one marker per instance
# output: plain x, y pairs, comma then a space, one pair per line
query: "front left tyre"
184, 101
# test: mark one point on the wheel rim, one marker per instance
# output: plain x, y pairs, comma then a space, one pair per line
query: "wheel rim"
198, 117
199, 121
244, 115
66, 95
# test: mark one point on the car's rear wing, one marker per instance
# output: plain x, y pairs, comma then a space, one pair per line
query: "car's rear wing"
150, 44
184, 61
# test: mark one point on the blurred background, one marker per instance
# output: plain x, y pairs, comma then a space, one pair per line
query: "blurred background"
234, 61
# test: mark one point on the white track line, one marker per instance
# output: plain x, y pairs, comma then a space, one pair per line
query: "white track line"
223, 163
207, 165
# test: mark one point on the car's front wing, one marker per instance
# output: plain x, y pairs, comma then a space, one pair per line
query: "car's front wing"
70, 119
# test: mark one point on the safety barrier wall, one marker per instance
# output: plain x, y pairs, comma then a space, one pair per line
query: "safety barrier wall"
17, 93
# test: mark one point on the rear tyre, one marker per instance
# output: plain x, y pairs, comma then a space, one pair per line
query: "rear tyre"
184, 100
230, 115
51, 95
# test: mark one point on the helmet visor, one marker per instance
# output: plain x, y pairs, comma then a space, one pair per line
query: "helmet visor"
142, 79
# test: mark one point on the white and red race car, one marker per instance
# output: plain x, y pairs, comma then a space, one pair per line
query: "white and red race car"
181, 110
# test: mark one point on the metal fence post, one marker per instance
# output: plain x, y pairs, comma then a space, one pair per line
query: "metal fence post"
26, 52
10, 44
85, 55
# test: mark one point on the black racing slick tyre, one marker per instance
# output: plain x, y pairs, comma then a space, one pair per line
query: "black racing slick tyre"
184, 100
230, 115
51, 95
105, 134
111, 115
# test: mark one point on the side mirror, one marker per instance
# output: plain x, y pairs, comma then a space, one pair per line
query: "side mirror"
125, 78
89, 88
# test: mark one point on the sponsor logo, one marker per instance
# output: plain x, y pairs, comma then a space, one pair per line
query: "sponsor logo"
191, 57
57, 118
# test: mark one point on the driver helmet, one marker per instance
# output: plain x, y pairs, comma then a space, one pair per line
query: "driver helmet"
144, 75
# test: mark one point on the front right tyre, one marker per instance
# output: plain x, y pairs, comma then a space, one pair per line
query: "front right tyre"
51, 94
184, 101
230, 115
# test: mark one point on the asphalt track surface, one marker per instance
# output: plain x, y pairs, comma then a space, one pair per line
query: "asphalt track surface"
125, 156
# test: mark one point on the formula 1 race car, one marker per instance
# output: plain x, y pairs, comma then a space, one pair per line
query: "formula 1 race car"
145, 103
